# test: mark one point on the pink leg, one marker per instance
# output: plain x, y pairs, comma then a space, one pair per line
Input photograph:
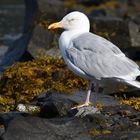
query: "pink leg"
88, 94
87, 102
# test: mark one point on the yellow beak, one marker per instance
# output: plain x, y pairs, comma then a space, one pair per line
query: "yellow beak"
55, 25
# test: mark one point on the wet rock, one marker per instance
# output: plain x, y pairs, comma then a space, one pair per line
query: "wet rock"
35, 128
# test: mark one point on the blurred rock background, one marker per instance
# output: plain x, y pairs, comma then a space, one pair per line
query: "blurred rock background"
116, 20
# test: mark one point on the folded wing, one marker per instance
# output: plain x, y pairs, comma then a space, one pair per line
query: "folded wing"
99, 58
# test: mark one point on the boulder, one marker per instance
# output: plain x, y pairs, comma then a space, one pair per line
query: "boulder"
53, 8
34, 128
134, 29
59, 105
41, 40
91, 2
115, 122
114, 29
56, 106
5, 118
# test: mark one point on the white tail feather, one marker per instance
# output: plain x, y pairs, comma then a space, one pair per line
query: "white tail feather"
133, 83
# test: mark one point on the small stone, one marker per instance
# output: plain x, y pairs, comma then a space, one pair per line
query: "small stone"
82, 112
28, 108
136, 123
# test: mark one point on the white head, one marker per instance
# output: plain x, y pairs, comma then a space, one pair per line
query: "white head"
73, 21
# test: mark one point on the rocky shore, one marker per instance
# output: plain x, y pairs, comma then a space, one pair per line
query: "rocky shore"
56, 120
49, 115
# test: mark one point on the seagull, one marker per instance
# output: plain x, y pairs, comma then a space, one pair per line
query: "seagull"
93, 57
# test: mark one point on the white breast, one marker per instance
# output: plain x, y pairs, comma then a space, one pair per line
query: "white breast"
64, 43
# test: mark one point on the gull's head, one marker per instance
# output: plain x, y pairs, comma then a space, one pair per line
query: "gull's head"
73, 21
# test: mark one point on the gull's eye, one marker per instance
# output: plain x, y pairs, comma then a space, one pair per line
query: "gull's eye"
70, 20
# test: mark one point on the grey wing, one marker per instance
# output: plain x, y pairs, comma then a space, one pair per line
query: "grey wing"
99, 58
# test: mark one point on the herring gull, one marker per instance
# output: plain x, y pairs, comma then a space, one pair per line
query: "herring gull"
91, 56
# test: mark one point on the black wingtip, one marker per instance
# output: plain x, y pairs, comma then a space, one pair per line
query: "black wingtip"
138, 78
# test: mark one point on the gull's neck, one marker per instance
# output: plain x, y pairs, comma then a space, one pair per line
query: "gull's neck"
74, 33
68, 35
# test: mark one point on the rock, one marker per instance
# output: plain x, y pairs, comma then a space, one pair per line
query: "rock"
97, 13
59, 105
136, 19
101, 98
134, 33
114, 29
91, 2
35, 128
5, 118
3, 50
55, 52
28, 108
2, 130
120, 136
11, 22
84, 111
56, 106
112, 122
41, 41
49, 8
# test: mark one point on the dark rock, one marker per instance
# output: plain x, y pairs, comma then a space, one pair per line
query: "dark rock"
84, 111
5, 118
34, 128
111, 119
134, 29
11, 22
41, 41
2, 130
136, 19
26, 57
53, 8
91, 2
114, 29
56, 106
128, 135
98, 13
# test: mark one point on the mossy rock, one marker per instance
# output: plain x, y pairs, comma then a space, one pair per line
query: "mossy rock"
24, 81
